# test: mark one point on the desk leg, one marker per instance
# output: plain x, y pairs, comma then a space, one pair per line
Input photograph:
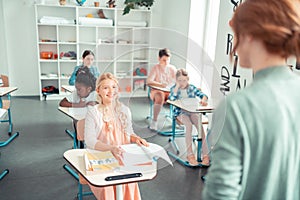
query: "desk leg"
172, 140
119, 191
199, 139
11, 138
4, 173
71, 171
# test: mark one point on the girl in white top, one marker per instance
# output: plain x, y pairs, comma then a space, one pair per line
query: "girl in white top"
107, 126
84, 93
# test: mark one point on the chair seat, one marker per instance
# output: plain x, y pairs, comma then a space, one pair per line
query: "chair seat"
6, 104
204, 121
2, 112
82, 180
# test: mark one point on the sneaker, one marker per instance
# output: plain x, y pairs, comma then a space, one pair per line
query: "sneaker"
153, 125
205, 161
192, 160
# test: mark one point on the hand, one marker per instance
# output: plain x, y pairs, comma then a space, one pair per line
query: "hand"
138, 140
117, 151
91, 103
177, 86
203, 101
141, 141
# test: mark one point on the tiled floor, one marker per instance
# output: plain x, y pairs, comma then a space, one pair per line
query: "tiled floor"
35, 157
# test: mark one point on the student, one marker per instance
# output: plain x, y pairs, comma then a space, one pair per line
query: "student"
182, 89
257, 153
161, 75
84, 93
107, 126
87, 60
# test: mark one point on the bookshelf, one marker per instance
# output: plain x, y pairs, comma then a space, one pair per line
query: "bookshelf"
121, 45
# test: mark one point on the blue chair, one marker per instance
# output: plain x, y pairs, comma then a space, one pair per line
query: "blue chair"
5, 105
168, 114
80, 139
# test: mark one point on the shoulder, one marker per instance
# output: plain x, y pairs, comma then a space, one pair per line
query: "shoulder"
191, 86
155, 67
93, 111
93, 95
77, 67
94, 68
125, 108
172, 67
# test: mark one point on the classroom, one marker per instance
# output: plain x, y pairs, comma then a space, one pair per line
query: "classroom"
204, 90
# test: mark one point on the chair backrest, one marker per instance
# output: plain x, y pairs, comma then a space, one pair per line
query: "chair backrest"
4, 80
80, 137
80, 129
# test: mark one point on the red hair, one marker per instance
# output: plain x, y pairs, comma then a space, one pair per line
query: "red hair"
275, 22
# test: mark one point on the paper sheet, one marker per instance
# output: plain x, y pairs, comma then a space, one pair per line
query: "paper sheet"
78, 113
192, 103
135, 155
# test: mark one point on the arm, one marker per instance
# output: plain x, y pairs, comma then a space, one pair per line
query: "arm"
174, 93
129, 130
201, 95
223, 180
72, 79
96, 72
65, 103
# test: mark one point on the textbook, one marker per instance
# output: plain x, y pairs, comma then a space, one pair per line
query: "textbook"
97, 162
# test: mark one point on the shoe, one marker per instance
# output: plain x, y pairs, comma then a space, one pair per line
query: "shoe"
153, 125
205, 161
192, 160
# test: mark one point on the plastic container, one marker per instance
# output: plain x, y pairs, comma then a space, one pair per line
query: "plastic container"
46, 55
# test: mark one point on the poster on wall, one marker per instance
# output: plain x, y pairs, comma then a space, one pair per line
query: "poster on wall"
233, 77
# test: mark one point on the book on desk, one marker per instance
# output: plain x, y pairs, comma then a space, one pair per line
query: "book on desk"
97, 162
134, 159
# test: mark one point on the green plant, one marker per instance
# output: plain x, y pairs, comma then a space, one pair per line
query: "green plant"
130, 4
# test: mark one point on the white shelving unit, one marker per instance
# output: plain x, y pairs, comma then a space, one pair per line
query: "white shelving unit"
121, 48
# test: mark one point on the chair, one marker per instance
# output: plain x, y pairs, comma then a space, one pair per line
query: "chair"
168, 114
174, 144
6, 171
81, 180
6, 104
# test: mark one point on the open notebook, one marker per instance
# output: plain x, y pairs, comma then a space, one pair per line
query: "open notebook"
139, 158
193, 104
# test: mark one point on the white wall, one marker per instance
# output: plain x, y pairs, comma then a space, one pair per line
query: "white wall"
20, 46
232, 78
3, 55
18, 53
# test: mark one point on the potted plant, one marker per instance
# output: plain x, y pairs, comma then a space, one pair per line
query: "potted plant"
131, 4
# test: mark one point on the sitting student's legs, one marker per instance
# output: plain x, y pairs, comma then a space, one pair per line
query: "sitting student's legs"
158, 98
185, 119
195, 121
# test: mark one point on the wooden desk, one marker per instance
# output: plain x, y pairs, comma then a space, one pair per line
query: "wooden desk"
75, 158
166, 89
5, 91
68, 88
74, 113
192, 109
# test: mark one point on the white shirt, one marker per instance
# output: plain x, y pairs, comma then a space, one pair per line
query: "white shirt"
74, 98
94, 124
